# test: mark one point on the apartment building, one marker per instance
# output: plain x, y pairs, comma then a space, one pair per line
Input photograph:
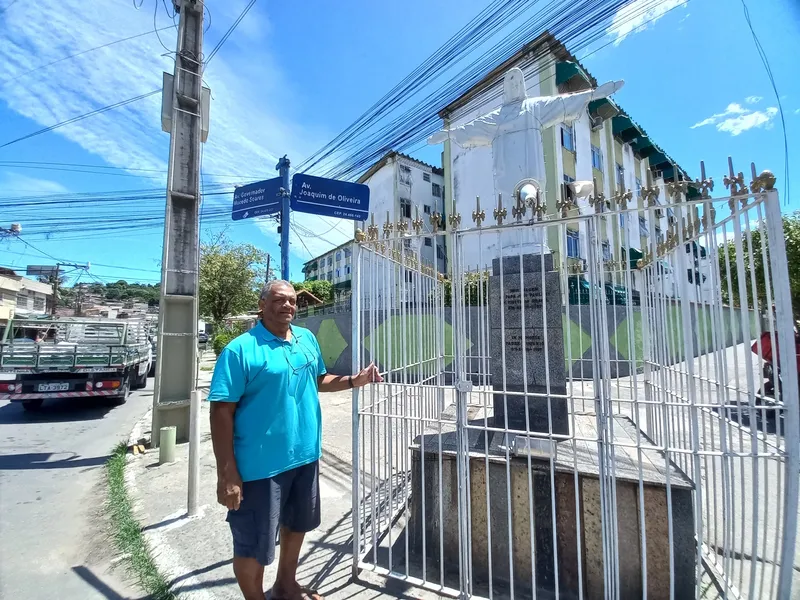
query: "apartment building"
404, 190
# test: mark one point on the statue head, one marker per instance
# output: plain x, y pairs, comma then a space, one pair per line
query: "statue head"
514, 86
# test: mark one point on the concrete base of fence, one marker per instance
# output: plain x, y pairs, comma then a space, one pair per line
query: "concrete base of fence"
512, 521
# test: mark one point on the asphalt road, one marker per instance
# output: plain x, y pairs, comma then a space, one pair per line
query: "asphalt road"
53, 539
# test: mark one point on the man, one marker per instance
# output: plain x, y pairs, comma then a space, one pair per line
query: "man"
266, 429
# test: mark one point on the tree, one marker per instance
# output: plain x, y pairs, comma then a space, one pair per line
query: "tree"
230, 277
756, 261
320, 288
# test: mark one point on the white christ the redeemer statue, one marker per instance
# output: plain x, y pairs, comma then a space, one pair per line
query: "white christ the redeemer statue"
514, 131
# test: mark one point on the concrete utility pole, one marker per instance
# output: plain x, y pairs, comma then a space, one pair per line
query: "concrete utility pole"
283, 166
178, 311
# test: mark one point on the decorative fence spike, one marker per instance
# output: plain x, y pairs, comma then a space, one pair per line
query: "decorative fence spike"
500, 213
478, 215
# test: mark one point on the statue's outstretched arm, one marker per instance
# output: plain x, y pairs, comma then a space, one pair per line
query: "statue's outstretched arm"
479, 132
568, 107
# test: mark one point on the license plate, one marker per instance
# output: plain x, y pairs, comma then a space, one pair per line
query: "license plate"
52, 387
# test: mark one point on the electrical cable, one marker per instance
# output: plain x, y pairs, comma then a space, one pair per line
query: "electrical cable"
228, 33
765, 61
7, 6
580, 23
83, 116
62, 59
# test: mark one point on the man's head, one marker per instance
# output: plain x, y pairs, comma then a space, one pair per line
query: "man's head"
278, 303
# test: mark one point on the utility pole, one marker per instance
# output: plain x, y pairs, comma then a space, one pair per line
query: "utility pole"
183, 109
266, 278
283, 167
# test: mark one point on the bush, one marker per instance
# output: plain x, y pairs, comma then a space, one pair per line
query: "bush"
224, 335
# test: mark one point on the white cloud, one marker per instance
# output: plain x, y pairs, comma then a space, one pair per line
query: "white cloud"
638, 16
797, 111
29, 186
737, 119
753, 99
248, 127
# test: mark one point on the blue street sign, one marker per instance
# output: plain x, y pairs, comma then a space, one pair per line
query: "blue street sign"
330, 197
256, 199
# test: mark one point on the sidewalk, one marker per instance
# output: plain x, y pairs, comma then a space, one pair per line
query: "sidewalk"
195, 553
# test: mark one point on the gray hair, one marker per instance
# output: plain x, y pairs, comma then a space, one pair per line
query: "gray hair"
267, 289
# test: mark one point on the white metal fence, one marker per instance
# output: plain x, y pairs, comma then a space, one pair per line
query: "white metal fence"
587, 426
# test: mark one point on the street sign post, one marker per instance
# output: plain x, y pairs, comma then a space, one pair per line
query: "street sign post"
256, 199
330, 197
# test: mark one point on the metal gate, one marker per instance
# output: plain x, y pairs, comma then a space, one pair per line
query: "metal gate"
581, 411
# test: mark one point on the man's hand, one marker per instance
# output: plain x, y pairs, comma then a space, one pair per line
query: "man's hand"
367, 375
229, 490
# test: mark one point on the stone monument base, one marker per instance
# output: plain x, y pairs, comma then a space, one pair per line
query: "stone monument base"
493, 521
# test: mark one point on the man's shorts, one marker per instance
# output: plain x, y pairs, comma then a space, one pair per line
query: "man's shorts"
290, 499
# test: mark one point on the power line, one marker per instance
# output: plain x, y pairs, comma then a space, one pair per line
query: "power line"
229, 32
83, 116
82, 52
7, 6
768, 69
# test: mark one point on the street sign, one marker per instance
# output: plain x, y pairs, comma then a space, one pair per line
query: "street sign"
256, 199
41, 270
330, 197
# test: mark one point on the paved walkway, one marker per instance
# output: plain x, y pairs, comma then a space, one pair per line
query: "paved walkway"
195, 553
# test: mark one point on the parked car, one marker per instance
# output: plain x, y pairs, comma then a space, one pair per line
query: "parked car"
202, 337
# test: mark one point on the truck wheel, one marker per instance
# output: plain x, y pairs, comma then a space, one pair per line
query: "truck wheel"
140, 381
32, 405
122, 398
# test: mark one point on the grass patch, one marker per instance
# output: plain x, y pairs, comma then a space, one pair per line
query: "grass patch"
127, 532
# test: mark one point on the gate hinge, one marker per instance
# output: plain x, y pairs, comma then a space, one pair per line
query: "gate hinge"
463, 386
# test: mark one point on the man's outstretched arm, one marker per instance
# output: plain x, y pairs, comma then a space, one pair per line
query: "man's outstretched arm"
337, 383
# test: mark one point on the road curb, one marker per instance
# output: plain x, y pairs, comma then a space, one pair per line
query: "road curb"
186, 586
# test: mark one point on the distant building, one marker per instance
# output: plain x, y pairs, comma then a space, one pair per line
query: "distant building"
23, 297
404, 189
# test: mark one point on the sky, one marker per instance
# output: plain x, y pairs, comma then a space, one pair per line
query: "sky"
293, 75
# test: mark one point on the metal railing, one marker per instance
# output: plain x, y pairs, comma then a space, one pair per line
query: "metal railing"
526, 443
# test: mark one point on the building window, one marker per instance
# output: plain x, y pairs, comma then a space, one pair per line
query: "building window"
405, 208
597, 158
606, 250
38, 303
338, 273
427, 209
436, 190
573, 244
347, 252
347, 270
338, 256
638, 187
330, 261
643, 231
568, 179
426, 176
428, 242
330, 275
405, 174
439, 252
568, 137
659, 235
620, 177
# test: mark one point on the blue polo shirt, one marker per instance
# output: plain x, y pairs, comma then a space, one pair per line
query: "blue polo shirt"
278, 422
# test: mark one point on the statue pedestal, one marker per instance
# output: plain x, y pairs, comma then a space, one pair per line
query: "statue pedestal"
501, 530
